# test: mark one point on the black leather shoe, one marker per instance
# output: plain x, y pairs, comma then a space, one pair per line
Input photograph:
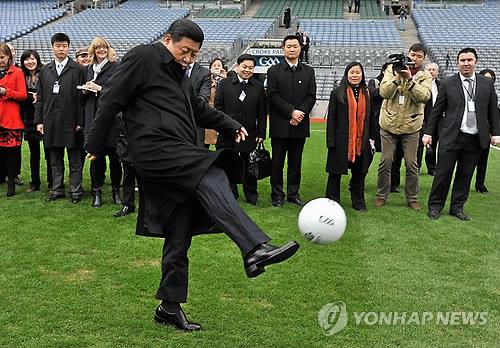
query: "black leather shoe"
460, 215
97, 198
266, 254
11, 189
252, 202
277, 203
55, 196
76, 199
360, 208
116, 196
177, 319
394, 189
482, 189
296, 201
433, 214
125, 210
33, 188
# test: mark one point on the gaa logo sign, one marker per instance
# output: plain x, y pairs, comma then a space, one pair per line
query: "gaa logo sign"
268, 61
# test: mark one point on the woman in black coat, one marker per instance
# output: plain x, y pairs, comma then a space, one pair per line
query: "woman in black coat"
31, 65
350, 134
98, 72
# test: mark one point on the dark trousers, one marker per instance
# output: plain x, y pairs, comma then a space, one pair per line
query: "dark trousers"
215, 196
357, 185
396, 166
430, 154
75, 170
249, 183
34, 146
464, 154
129, 181
482, 165
9, 162
282, 148
98, 169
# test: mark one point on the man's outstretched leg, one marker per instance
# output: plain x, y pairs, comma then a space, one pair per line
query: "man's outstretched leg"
214, 194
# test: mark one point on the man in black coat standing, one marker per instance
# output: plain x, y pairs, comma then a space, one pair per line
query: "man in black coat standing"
469, 104
243, 98
291, 88
200, 80
59, 117
184, 187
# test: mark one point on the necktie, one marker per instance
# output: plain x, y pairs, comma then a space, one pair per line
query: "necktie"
188, 71
294, 68
243, 84
471, 115
59, 68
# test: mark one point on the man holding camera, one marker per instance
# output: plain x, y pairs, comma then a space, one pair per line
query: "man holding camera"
406, 88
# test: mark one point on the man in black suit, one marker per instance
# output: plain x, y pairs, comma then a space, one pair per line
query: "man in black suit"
243, 98
470, 122
291, 88
59, 117
430, 153
200, 80
184, 188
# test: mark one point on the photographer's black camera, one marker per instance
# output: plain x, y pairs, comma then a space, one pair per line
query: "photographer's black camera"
400, 62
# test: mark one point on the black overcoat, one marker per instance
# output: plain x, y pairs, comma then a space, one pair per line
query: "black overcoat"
91, 100
161, 111
337, 132
251, 112
288, 91
60, 113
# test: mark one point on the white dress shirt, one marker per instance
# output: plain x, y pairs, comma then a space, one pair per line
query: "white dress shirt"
60, 65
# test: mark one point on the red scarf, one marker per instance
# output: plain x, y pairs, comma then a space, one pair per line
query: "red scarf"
357, 113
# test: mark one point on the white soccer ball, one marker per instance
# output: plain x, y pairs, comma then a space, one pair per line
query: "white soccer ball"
322, 221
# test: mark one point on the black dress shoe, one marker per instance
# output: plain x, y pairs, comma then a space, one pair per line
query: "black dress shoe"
266, 254
33, 187
460, 215
433, 214
394, 189
296, 201
252, 202
55, 196
482, 189
360, 208
277, 203
125, 210
116, 196
97, 198
176, 318
76, 199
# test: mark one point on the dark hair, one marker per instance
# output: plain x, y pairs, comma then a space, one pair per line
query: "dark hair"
59, 37
244, 57
26, 54
349, 66
289, 37
467, 50
489, 71
182, 28
217, 59
418, 47
4, 48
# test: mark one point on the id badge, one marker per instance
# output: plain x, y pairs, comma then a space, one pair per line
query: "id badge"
401, 100
242, 96
55, 89
471, 106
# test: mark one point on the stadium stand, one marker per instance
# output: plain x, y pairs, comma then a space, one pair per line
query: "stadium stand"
216, 13
302, 9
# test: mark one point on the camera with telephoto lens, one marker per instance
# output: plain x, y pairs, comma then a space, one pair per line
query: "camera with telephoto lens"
400, 62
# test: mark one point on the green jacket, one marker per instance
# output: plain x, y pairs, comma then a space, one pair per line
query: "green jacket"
408, 117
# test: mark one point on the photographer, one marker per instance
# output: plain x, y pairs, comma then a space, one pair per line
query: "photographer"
406, 88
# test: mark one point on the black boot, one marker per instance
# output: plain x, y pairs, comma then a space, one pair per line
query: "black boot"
116, 196
11, 188
96, 193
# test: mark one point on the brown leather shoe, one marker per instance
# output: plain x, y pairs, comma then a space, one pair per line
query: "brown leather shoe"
414, 205
379, 202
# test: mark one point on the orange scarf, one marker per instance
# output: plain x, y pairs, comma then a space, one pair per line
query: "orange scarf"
357, 113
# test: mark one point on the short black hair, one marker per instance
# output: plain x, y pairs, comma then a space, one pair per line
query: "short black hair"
244, 57
489, 71
26, 54
290, 37
418, 47
59, 37
467, 50
182, 28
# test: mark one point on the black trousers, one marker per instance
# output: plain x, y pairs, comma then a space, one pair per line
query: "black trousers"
357, 185
9, 162
249, 183
430, 156
464, 154
34, 146
282, 148
98, 169
396, 166
482, 165
75, 170
128, 186
215, 196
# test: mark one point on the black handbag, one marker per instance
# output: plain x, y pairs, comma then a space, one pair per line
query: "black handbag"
259, 163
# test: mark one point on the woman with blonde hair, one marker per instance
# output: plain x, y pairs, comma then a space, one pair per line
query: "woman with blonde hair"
102, 66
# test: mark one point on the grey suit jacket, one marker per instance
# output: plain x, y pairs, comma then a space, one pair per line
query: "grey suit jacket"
200, 79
